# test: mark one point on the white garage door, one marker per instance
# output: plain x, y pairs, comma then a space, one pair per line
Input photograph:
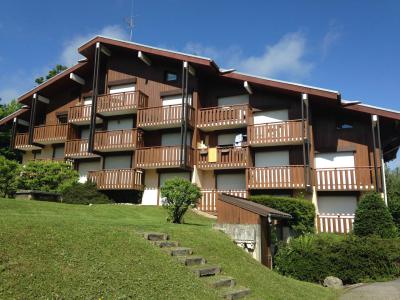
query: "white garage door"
262, 117
120, 124
117, 162
334, 160
272, 158
337, 205
122, 88
231, 182
233, 100
85, 166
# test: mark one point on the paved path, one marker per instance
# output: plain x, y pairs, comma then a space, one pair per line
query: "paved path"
375, 291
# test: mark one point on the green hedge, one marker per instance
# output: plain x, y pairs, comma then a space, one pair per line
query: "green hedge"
302, 211
352, 259
84, 193
373, 218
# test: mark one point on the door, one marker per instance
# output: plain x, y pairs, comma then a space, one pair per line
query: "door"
117, 162
120, 124
84, 167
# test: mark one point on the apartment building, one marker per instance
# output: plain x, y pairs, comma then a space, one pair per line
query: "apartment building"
130, 116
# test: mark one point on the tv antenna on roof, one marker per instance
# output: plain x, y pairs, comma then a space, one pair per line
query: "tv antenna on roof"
130, 22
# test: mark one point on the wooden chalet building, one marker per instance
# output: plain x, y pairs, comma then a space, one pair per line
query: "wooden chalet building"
130, 116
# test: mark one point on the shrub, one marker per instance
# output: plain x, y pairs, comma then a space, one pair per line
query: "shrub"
352, 259
373, 218
84, 193
394, 208
302, 211
9, 170
47, 176
393, 191
180, 194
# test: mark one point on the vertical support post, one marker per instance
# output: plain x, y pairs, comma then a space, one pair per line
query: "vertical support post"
96, 69
32, 120
13, 133
305, 137
382, 161
184, 114
374, 119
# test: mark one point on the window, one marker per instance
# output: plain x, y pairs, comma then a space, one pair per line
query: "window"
62, 119
170, 76
344, 125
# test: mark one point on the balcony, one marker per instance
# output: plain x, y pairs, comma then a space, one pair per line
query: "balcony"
168, 116
121, 103
118, 179
208, 199
345, 179
78, 149
226, 117
81, 115
21, 142
226, 158
280, 177
162, 157
118, 140
277, 133
333, 223
50, 134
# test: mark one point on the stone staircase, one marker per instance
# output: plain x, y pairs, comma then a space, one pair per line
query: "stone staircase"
198, 265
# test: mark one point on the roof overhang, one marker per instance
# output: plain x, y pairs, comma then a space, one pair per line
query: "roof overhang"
372, 110
15, 114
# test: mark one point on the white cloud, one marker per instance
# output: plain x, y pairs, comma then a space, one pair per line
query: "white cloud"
333, 34
286, 58
70, 55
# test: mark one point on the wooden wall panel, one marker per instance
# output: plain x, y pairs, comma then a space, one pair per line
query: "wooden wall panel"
231, 214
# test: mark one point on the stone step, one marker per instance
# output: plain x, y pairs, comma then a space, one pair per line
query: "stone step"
166, 244
155, 236
191, 260
206, 270
218, 281
235, 293
179, 251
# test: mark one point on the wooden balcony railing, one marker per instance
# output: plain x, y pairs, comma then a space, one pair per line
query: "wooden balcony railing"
227, 158
77, 149
22, 142
48, 134
118, 179
332, 223
277, 133
208, 198
345, 179
163, 116
224, 117
118, 140
280, 177
121, 102
80, 114
162, 157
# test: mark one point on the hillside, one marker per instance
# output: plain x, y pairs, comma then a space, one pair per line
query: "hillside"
51, 250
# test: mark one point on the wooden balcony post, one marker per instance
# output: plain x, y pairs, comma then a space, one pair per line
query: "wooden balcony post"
96, 70
32, 120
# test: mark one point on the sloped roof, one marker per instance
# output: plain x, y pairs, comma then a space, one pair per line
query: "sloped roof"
254, 207
15, 114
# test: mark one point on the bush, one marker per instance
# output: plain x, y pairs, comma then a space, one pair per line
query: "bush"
393, 191
47, 176
373, 218
180, 194
84, 193
9, 170
352, 259
302, 211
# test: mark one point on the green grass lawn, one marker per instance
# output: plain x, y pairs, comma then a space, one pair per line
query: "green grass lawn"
60, 251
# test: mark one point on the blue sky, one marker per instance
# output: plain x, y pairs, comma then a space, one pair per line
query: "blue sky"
349, 46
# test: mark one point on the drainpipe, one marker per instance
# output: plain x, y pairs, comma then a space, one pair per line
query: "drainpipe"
304, 134
374, 119
383, 175
32, 120
184, 114
94, 97
13, 133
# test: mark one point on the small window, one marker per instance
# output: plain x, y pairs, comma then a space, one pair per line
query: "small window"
62, 119
170, 76
344, 125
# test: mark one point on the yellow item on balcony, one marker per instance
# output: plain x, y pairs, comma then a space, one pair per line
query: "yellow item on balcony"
212, 155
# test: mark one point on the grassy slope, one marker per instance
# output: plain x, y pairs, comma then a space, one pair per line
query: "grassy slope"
50, 250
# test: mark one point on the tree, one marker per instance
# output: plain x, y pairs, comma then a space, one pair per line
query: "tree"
9, 170
393, 192
180, 195
53, 72
47, 176
373, 218
5, 133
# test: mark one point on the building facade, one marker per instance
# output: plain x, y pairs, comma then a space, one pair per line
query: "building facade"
129, 117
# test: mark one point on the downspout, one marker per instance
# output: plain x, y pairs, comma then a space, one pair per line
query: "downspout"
184, 114
303, 131
94, 97
383, 175
32, 120
373, 120
13, 133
